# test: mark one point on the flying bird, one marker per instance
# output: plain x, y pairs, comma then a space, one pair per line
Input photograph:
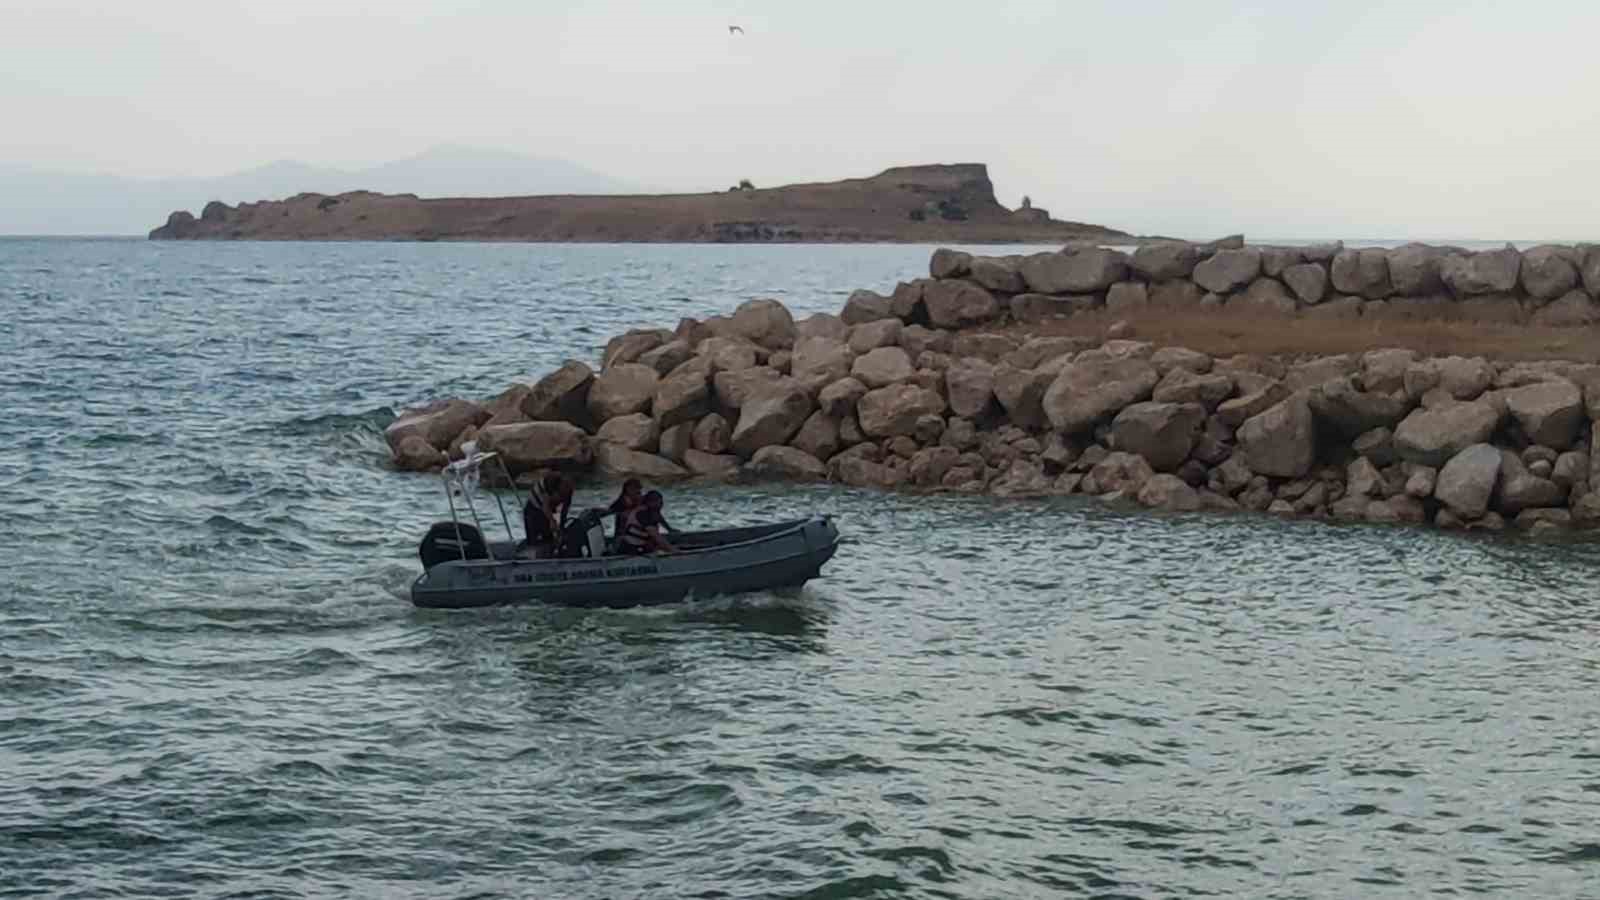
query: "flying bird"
733, 28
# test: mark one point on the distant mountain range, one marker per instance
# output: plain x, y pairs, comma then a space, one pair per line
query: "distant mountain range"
39, 201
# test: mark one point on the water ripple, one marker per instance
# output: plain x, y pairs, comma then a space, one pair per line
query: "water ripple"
211, 683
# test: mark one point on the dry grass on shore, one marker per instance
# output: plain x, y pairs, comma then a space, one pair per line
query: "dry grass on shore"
1223, 333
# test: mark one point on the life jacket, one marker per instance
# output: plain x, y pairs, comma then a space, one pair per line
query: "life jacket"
633, 532
535, 523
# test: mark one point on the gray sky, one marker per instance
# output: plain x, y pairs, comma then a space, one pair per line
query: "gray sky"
1344, 119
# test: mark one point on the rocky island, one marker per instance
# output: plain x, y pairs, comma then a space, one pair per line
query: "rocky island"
1028, 376
911, 204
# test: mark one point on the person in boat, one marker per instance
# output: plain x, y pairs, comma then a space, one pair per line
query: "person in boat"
545, 513
632, 496
642, 526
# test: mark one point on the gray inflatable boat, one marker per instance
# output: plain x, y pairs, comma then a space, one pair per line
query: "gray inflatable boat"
462, 570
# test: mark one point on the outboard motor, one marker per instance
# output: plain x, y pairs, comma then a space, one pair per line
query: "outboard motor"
584, 536
446, 541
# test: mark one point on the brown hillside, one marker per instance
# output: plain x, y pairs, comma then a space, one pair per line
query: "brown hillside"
913, 204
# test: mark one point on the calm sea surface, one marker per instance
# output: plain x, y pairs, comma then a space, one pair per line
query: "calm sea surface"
212, 683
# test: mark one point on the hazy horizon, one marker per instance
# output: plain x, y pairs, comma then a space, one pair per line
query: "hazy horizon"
1465, 121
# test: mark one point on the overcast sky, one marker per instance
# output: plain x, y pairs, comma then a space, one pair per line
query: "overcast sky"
1344, 119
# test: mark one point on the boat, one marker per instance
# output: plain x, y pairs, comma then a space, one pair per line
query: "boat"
462, 570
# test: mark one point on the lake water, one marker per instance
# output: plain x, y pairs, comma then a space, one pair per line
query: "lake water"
212, 683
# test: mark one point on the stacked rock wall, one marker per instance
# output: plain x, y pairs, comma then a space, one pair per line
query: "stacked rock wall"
901, 391
1546, 285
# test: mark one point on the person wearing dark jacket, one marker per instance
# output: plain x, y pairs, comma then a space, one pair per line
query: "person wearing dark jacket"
545, 513
641, 527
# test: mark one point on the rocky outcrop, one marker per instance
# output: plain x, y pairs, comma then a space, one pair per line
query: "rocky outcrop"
914, 204
894, 401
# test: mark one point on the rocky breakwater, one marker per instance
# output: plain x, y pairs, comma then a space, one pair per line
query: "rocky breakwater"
916, 390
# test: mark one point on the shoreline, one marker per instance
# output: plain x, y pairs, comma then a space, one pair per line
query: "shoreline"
1065, 373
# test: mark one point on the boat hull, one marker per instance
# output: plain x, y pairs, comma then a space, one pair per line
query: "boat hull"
731, 561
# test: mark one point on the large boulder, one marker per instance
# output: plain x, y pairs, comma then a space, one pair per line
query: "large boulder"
1320, 370
1184, 386
614, 459
1181, 294
1021, 394
818, 436
1165, 260
1256, 395
506, 408
684, 395
1168, 358
1086, 392
1431, 436
1414, 270
1276, 260
997, 273
1076, 271
699, 462
561, 396
668, 356
728, 354
1162, 433
872, 335
866, 306
1520, 489
947, 263
675, 441
1349, 411
1487, 272
1037, 351
769, 415
1574, 309
1169, 492
1589, 270
1282, 441
712, 435
818, 356
635, 431
1309, 281
1264, 296
1459, 377
893, 411
538, 445
1127, 296
766, 323
733, 388
629, 346
1228, 270
839, 398
787, 462
991, 347
823, 325
1118, 471
919, 340
1385, 370
958, 304
858, 471
414, 454
1550, 412
622, 389
436, 424
1548, 272
1364, 273
882, 367
969, 385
